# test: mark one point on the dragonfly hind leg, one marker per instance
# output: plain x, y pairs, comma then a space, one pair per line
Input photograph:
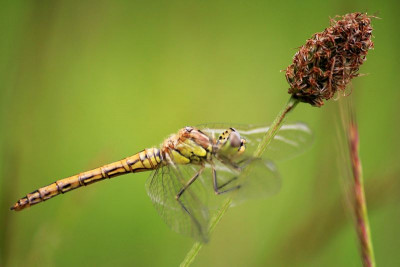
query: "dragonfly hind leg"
217, 188
194, 178
192, 217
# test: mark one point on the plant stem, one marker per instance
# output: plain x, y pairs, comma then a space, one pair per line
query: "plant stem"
269, 135
273, 129
360, 205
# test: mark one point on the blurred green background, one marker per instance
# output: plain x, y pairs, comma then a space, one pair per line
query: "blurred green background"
86, 83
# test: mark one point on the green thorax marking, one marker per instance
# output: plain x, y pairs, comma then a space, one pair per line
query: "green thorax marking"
188, 151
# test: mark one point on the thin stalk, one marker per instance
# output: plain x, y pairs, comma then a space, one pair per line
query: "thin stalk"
353, 178
269, 135
360, 204
273, 129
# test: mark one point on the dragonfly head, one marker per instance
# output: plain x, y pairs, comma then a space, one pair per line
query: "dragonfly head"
230, 143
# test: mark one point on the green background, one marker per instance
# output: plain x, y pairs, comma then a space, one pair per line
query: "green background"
89, 82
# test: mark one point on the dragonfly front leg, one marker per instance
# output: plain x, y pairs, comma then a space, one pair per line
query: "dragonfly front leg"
216, 187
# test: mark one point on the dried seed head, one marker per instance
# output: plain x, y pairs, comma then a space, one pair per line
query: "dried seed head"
330, 59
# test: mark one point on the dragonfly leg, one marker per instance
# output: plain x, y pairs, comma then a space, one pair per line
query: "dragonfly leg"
215, 182
228, 182
189, 183
177, 197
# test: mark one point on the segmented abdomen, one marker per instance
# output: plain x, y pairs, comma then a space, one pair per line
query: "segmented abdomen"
147, 159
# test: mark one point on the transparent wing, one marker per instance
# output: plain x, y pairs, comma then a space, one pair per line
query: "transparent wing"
258, 178
250, 178
291, 140
188, 215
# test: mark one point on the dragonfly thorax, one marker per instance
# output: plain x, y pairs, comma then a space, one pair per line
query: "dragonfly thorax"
189, 145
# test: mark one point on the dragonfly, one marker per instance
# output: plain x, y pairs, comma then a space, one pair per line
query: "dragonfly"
194, 170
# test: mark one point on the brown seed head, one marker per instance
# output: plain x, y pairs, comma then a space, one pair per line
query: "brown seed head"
330, 59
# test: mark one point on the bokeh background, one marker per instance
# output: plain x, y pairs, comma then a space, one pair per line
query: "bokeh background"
86, 83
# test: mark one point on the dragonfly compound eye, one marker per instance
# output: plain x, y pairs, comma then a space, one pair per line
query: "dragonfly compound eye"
234, 139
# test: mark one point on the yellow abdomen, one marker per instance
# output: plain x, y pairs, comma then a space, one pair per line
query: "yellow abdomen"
147, 159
